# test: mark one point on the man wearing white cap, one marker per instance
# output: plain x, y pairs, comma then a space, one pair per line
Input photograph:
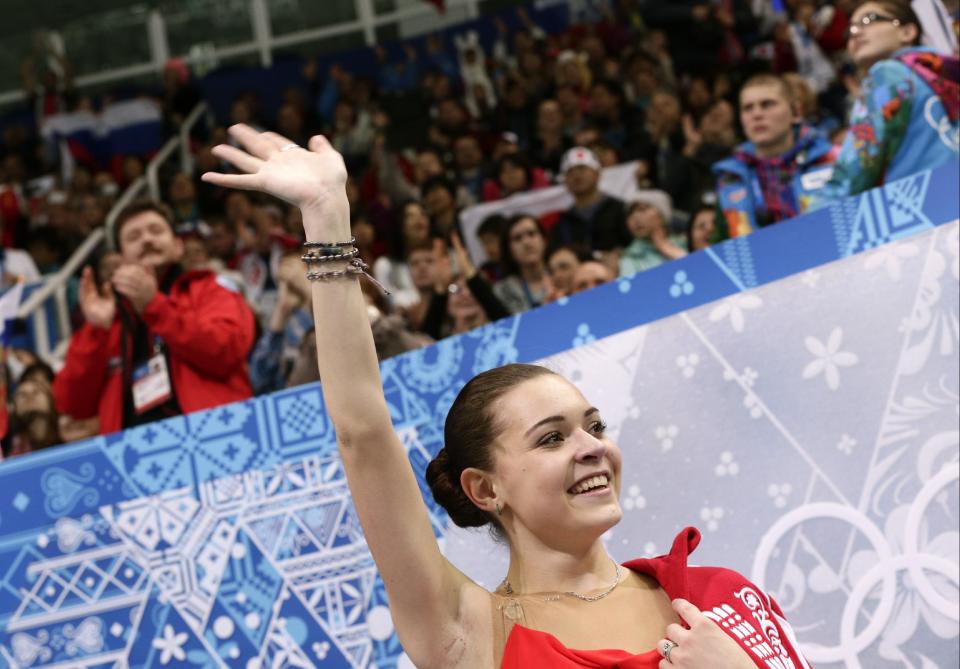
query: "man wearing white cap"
596, 220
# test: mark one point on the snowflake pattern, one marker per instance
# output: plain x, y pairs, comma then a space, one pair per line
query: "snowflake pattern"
711, 517
810, 278
890, 257
681, 285
666, 434
633, 499
828, 358
752, 404
846, 444
583, 335
733, 309
171, 645
779, 493
748, 377
727, 465
688, 364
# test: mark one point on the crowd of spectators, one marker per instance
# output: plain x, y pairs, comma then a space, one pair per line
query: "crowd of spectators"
730, 114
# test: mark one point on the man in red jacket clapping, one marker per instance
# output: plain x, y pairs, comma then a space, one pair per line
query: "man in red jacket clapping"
159, 341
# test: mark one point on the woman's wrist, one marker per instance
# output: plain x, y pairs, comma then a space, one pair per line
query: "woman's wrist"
327, 220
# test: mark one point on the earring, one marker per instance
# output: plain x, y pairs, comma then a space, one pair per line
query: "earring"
499, 509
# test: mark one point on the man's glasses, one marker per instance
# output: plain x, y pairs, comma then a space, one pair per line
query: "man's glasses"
867, 19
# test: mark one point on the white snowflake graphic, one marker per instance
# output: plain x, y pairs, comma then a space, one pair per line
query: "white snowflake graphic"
633, 499
890, 257
810, 278
829, 358
846, 444
733, 309
727, 465
688, 364
666, 434
711, 516
752, 404
171, 645
779, 493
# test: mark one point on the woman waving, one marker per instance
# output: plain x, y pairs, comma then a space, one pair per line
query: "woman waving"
524, 451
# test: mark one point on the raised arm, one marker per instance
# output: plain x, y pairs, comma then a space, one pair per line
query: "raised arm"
427, 594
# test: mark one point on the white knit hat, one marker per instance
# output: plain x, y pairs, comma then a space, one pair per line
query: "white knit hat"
657, 199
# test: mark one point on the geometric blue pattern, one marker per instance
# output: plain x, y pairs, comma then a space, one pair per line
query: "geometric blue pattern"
226, 538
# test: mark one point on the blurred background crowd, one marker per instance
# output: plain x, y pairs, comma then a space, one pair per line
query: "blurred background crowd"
493, 168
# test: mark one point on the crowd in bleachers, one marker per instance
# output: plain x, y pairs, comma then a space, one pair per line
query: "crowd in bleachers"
456, 122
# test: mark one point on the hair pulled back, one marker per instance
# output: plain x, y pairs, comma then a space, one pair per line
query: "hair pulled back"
468, 434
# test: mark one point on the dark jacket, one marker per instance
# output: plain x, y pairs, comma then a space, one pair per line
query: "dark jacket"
606, 229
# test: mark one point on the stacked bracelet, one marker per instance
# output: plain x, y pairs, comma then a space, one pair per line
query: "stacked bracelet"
321, 252
314, 257
327, 245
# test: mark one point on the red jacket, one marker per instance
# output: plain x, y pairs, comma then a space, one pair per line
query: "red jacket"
208, 331
744, 611
740, 608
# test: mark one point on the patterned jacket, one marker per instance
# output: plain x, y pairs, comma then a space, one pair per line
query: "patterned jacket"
904, 121
801, 173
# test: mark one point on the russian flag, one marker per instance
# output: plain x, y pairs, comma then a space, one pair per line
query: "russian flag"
128, 127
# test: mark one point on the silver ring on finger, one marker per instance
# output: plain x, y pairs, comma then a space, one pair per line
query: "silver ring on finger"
289, 147
667, 648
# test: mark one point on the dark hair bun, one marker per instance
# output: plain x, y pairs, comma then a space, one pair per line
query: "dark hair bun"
449, 494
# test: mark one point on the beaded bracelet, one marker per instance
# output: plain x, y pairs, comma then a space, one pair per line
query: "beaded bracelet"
310, 258
356, 267
326, 245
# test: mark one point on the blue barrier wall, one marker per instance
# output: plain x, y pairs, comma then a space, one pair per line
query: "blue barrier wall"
226, 538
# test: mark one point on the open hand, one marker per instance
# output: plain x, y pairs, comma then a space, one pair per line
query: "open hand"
703, 646
98, 310
309, 179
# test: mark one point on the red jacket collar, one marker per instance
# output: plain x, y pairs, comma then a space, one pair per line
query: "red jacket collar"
670, 570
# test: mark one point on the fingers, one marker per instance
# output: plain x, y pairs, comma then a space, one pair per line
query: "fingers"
688, 612
318, 143
278, 140
662, 647
676, 633
86, 281
239, 159
239, 181
256, 143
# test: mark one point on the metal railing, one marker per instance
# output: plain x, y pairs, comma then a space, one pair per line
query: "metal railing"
55, 286
412, 19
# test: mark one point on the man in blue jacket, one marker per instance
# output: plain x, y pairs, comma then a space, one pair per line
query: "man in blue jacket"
776, 174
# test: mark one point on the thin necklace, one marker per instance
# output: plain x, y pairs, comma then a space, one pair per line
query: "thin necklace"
508, 589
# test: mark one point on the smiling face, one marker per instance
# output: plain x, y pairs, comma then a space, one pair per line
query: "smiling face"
875, 33
555, 469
